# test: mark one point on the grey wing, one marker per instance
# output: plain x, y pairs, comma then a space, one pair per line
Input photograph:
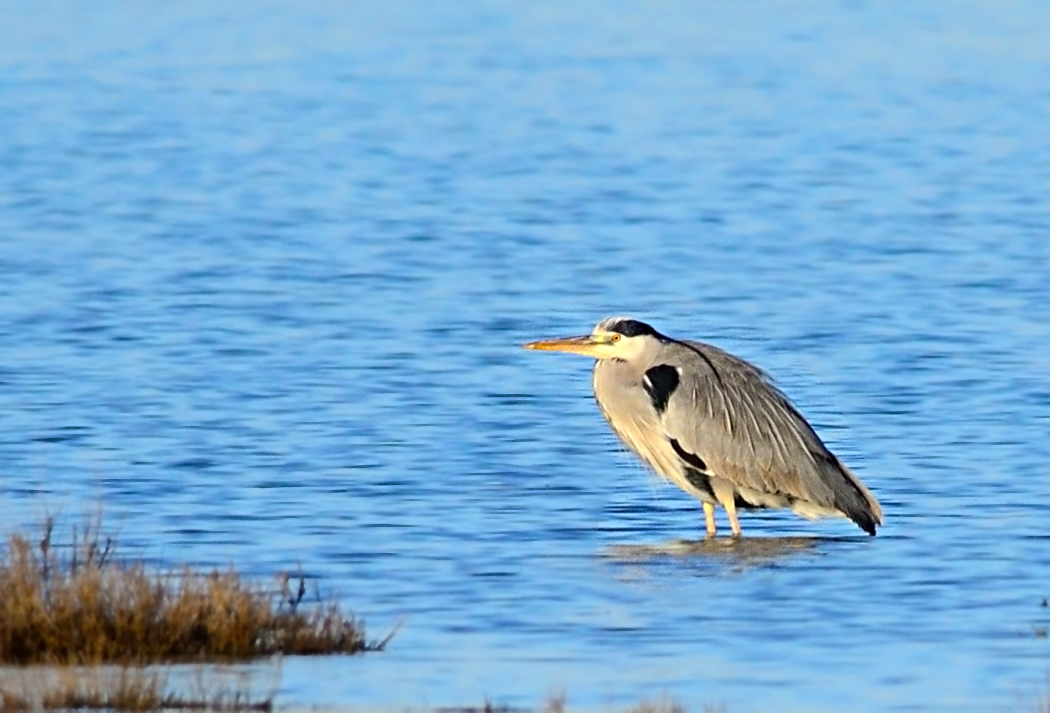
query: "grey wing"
730, 415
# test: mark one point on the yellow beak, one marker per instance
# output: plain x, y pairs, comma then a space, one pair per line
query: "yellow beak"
587, 345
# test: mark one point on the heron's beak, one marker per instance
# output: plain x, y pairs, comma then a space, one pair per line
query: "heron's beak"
587, 345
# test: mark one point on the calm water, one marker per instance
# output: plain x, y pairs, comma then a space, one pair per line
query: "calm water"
266, 267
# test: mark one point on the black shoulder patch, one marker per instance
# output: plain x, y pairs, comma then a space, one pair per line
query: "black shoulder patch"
690, 458
633, 328
660, 382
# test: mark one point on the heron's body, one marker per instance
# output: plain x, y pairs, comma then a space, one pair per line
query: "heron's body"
715, 426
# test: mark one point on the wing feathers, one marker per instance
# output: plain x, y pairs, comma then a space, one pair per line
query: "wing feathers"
736, 422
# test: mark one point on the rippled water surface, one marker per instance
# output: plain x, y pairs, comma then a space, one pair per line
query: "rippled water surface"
266, 268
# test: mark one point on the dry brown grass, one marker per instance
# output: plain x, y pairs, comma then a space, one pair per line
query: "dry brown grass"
663, 705
79, 603
120, 688
557, 703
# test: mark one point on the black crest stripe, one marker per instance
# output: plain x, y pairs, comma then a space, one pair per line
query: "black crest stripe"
633, 328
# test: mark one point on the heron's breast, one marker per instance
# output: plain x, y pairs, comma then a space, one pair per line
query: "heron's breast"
629, 411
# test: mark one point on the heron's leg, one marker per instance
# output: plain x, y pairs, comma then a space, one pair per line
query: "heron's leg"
709, 517
730, 506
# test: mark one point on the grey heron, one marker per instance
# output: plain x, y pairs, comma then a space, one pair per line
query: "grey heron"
715, 426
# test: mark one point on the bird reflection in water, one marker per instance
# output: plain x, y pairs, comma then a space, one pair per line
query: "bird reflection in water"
738, 553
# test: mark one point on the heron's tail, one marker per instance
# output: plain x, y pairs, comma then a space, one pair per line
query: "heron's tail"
856, 501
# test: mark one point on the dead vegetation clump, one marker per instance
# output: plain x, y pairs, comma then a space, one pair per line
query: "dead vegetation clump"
122, 688
81, 604
557, 703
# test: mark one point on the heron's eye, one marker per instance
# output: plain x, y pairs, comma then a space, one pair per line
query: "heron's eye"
615, 338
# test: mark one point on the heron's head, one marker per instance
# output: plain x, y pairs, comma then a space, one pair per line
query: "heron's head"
612, 338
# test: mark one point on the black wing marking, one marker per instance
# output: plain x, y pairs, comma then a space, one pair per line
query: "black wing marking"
690, 458
700, 481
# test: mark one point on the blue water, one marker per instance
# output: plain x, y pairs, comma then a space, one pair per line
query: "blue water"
265, 269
